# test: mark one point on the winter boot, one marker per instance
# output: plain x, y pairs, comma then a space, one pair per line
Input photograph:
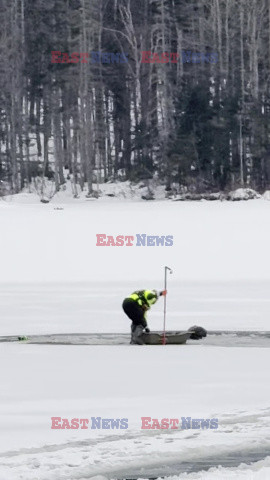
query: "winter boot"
136, 332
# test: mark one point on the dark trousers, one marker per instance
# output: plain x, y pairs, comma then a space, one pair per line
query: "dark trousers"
136, 315
134, 312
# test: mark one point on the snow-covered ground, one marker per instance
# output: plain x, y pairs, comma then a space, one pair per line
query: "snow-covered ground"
54, 279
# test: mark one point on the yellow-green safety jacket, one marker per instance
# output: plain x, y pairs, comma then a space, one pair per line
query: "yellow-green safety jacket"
145, 298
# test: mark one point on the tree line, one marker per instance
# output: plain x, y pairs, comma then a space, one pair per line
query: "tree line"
195, 125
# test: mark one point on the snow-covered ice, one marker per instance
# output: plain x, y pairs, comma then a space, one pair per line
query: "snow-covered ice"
96, 307
54, 279
212, 241
41, 382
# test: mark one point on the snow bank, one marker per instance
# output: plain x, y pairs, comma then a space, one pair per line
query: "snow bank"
106, 191
242, 194
266, 195
126, 190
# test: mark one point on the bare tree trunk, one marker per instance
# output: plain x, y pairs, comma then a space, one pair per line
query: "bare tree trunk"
57, 137
108, 135
46, 136
227, 40
86, 108
242, 73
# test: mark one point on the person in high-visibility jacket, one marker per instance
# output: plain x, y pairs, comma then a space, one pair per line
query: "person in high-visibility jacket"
135, 307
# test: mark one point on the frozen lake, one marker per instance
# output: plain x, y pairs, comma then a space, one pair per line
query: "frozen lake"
29, 309
56, 285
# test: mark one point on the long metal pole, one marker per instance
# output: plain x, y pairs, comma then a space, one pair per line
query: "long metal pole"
165, 305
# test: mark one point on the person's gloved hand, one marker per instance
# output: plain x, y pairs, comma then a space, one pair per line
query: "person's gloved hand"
147, 330
163, 293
